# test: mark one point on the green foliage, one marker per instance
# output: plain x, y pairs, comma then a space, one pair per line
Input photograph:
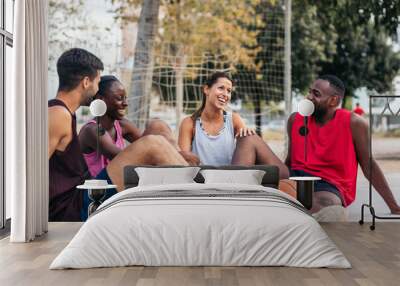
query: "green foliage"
311, 44
60, 30
266, 82
190, 30
69, 25
351, 39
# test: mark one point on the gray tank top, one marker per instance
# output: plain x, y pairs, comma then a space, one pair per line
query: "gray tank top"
218, 149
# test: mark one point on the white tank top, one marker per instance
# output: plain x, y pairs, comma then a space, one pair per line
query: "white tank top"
215, 149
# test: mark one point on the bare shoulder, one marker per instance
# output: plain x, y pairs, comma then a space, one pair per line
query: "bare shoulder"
237, 121
59, 111
186, 134
291, 119
236, 117
187, 123
88, 128
126, 123
357, 123
59, 118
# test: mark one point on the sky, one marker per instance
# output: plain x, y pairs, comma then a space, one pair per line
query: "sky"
106, 49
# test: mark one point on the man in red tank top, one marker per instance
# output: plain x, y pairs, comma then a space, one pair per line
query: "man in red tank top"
337, 142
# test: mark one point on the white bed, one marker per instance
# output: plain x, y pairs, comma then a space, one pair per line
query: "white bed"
203, 225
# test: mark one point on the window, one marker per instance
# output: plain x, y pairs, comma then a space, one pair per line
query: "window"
9, 15
6, 44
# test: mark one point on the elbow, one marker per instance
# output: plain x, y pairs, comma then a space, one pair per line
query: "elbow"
367, 169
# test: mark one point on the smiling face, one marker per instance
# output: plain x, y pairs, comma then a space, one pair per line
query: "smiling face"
219, 94
89, 90
115, 98
323, 96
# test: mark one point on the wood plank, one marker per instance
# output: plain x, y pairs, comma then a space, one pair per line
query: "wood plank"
374, 255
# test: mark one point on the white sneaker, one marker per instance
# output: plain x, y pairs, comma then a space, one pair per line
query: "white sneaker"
331, 213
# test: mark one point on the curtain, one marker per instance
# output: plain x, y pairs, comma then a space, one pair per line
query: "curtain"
26, 123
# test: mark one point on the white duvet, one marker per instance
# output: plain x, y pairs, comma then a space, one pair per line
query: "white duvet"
181, 230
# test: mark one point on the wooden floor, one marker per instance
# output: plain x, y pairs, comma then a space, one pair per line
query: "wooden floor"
374, 255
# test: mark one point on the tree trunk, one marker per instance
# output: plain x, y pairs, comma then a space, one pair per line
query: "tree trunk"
139, 98
179, 76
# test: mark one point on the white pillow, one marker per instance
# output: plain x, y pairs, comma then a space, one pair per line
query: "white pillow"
163, 176
249, 177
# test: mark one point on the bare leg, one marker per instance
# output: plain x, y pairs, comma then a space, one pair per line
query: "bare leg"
252, 150
160, 127
288, 187
322, 199
148, 150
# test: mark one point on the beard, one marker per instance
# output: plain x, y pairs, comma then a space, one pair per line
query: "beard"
87, 98
319, 113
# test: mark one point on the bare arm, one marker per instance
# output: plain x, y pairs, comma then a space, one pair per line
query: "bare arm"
359, 130
130, 131
289, 136
185, 142
239, 126
88, 142
185, 137
60, 132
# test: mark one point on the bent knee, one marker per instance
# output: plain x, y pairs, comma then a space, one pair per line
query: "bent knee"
153, 140
157, 126
147, 142
250, 139
326, 199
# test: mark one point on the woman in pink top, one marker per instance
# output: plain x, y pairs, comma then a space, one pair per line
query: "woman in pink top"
114, 127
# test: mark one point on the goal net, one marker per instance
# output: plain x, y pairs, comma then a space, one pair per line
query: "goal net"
179, 71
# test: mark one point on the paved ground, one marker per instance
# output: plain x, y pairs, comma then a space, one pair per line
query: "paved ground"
393, 177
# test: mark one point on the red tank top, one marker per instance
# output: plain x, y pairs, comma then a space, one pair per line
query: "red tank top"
330, 152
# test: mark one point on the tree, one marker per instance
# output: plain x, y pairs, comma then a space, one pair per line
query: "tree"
350, 39
192, 30
261, 83
143, 62
70, 26
58, 11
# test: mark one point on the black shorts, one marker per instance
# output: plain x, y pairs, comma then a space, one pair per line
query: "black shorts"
319, 185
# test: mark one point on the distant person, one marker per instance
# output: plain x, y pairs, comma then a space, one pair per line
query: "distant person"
358, 110
220, 137
337, 143
79, 74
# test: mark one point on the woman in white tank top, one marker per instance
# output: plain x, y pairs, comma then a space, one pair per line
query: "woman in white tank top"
211, 132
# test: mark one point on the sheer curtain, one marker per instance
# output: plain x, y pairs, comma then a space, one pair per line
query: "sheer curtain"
26, 123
